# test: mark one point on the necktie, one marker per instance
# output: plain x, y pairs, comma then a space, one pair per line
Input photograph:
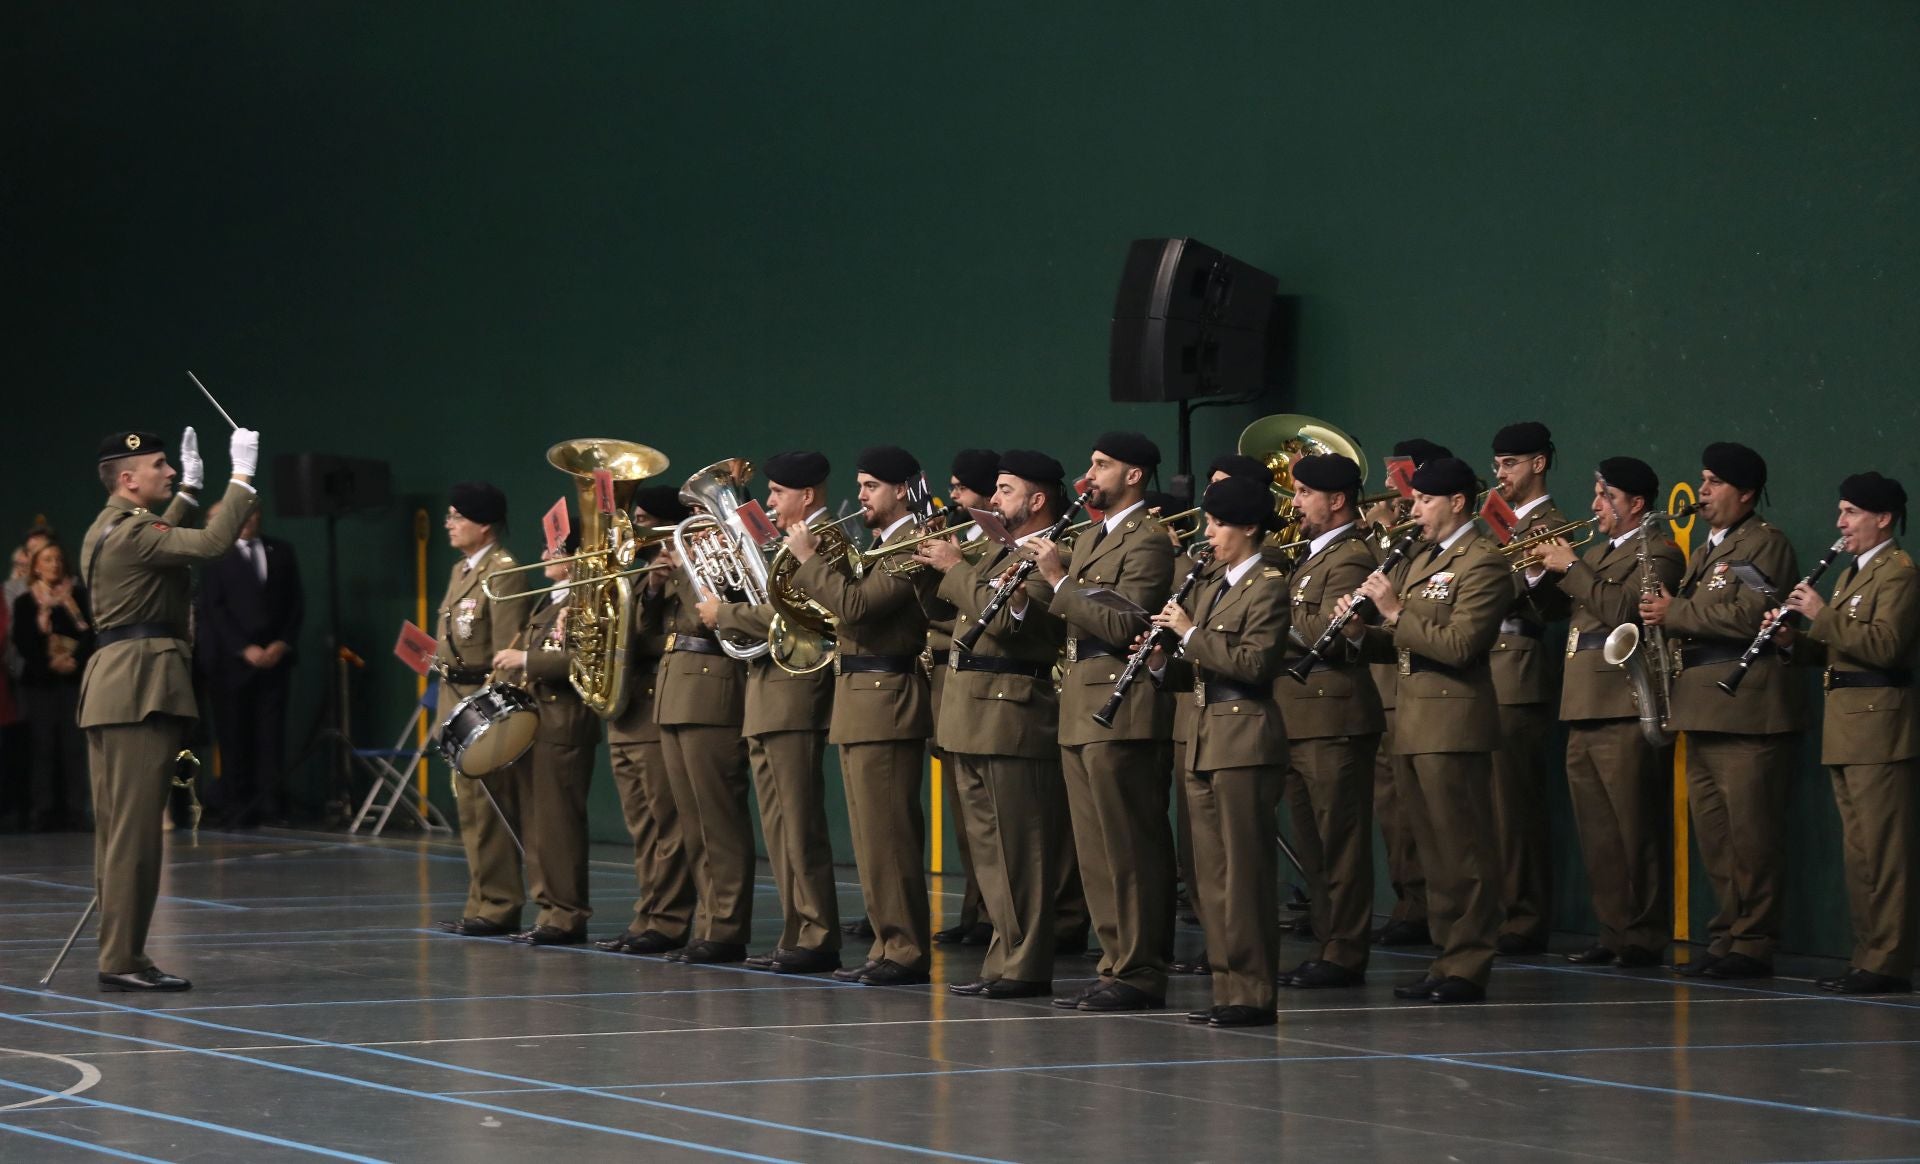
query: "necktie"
1846, 577
1099, 535
1225, 588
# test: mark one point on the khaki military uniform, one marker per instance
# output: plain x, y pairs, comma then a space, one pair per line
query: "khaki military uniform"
998, 726
472, 628
700, 705
940, 618
553, 805
1177, 686
1866, 637
1447, 725
1617, 780
136, 696
1409, 881
1116, 777
1236, 760
661, 867
1525, 675
882, 716
1740, 748
1333, 724
785, 726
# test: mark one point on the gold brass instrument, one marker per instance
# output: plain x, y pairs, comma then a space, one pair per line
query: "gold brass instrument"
1643, 651
801, 637
1278, 441
1523, 552
898, 560
715, 549
642, 538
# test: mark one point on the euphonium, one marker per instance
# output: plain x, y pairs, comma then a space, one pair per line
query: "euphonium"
801, 637
715, 548
600, 604
1644, 652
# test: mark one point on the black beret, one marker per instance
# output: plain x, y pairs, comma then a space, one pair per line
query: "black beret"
1737, 465
1238, 501
1874, 493
1131, 447
798, 470
1630, 475
1445, 476
1421, 450
479, 501
1029, 465
976, 469
1329, 473
130, 444
1240, 465
889, 463
662, 503
1523, 439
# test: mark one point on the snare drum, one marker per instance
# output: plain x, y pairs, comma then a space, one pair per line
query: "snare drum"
488, 730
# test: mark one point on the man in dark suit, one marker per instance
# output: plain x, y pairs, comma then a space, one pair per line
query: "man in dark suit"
248, 619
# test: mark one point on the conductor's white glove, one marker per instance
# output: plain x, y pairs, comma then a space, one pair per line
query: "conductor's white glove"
193, 470
244, 449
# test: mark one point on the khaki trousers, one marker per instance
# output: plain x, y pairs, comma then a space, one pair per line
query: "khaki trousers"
790, 784
1448, 802
1117, 799
1737, 789
495, 889
1015, 813
1619, 790
660, 865
1396, 832
970, 899
1520, 821
132, 770
1876, 803
1334, 776
553, 810
890, 846
1236, 857
706, 766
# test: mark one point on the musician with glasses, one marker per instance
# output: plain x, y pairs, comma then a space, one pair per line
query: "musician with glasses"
1741, 748
1866, 637
786, 729
1617, 778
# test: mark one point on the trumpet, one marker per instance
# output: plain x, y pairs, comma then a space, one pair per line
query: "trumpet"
898, 560
1523, 552
624, 555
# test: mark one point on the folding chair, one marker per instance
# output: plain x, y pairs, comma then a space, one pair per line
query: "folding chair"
393, 769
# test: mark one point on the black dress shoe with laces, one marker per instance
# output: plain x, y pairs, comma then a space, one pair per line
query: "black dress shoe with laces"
654, 943
712, 953
1637, 958
803, 961
952, 936
1198, 965
1117, 996
1458, 990
1242, 1016
1737, 966
1700, 964
886, 972
1016, 988
853, 973
549, 936
969, 989
152, 980
1518, 945
1857, 981
761, 961
1592, 956
1073, 998
1204, 1014
617, 944
1319, 974
474, 927
1422, 990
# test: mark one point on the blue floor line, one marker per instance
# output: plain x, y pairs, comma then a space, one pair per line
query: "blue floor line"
774, 985
88, 889
796, 1129
189, 1121
100, 1148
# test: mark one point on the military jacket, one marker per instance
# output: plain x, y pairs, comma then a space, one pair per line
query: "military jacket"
1239, 636
693, 687
1339, 699
1452, 607
1872, 623
564, 716
991, 714
472, 628
1524, 659
1603, 586
1713, 607
879, 614
777, 700
646, 642
1137, 561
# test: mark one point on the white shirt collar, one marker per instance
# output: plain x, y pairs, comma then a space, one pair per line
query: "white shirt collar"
974, 534
1624, 538
475, 558
1235, 573
1718, 536
815, 515
1321, 542
1466, 527
1530, 506
1860, 562
559, 595
1113, 520
888, 532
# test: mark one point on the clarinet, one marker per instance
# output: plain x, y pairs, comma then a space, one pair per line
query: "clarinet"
1202, 554
1771, 624
972, 634
1358, 606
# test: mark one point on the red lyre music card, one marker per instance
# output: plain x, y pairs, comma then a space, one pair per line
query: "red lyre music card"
603, 490
1400, 475
558, 525
1500, 518
415, 647
753, 517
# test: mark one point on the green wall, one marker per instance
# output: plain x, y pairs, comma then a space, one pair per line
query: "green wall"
451, 234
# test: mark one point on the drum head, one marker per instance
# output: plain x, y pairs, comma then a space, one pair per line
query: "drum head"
489, 730
504, 741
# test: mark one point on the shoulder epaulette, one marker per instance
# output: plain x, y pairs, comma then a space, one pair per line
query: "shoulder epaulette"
1270, 572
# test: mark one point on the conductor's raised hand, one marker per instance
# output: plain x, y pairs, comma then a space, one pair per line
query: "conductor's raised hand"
243, 448
193, 467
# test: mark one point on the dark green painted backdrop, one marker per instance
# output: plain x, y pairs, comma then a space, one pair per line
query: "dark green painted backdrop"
451, 234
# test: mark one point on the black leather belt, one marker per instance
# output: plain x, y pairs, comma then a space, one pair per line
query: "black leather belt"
1707, 654
698, 644
464, 676
1227, 691
875, 664
998, 666
1412, 663
136, 630
1587, 641
1900, 678
1087, 648
1527, 628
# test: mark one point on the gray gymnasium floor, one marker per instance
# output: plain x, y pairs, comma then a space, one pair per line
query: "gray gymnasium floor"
331, 1021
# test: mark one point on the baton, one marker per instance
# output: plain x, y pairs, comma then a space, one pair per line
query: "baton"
77, 927
212, 401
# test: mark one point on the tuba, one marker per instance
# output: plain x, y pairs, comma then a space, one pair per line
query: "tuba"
600, 609
1278, 441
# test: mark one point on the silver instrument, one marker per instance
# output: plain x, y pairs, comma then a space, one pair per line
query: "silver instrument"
1643, 652
717, 551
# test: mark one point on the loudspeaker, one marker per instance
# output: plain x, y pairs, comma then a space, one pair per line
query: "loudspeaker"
323, 485
1190, 320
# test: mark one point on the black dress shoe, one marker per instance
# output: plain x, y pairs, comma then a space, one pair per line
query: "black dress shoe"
476, 927
549, 936
969, 989
1073, 998
1319, 973
1242, 1016
1198, 965
1016, 988
1404, 933
1204, 1014
854, 973
980, 935
1458, 990
858, 929
1737, 966
1118, 996
1422, 989
1857, 981
804, 961
653, 942
761, 961
151, 980
617, 944
1832, 983
712, 953
952, 936
1694, 969
1518, 945
1592, 956
1637, 958
886, 972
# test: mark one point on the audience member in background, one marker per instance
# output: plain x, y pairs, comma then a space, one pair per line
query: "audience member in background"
51, 631
14, 745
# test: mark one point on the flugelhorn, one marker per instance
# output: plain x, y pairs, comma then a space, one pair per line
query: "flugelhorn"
1523, 552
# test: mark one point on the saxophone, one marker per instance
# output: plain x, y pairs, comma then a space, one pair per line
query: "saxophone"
1643, 652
